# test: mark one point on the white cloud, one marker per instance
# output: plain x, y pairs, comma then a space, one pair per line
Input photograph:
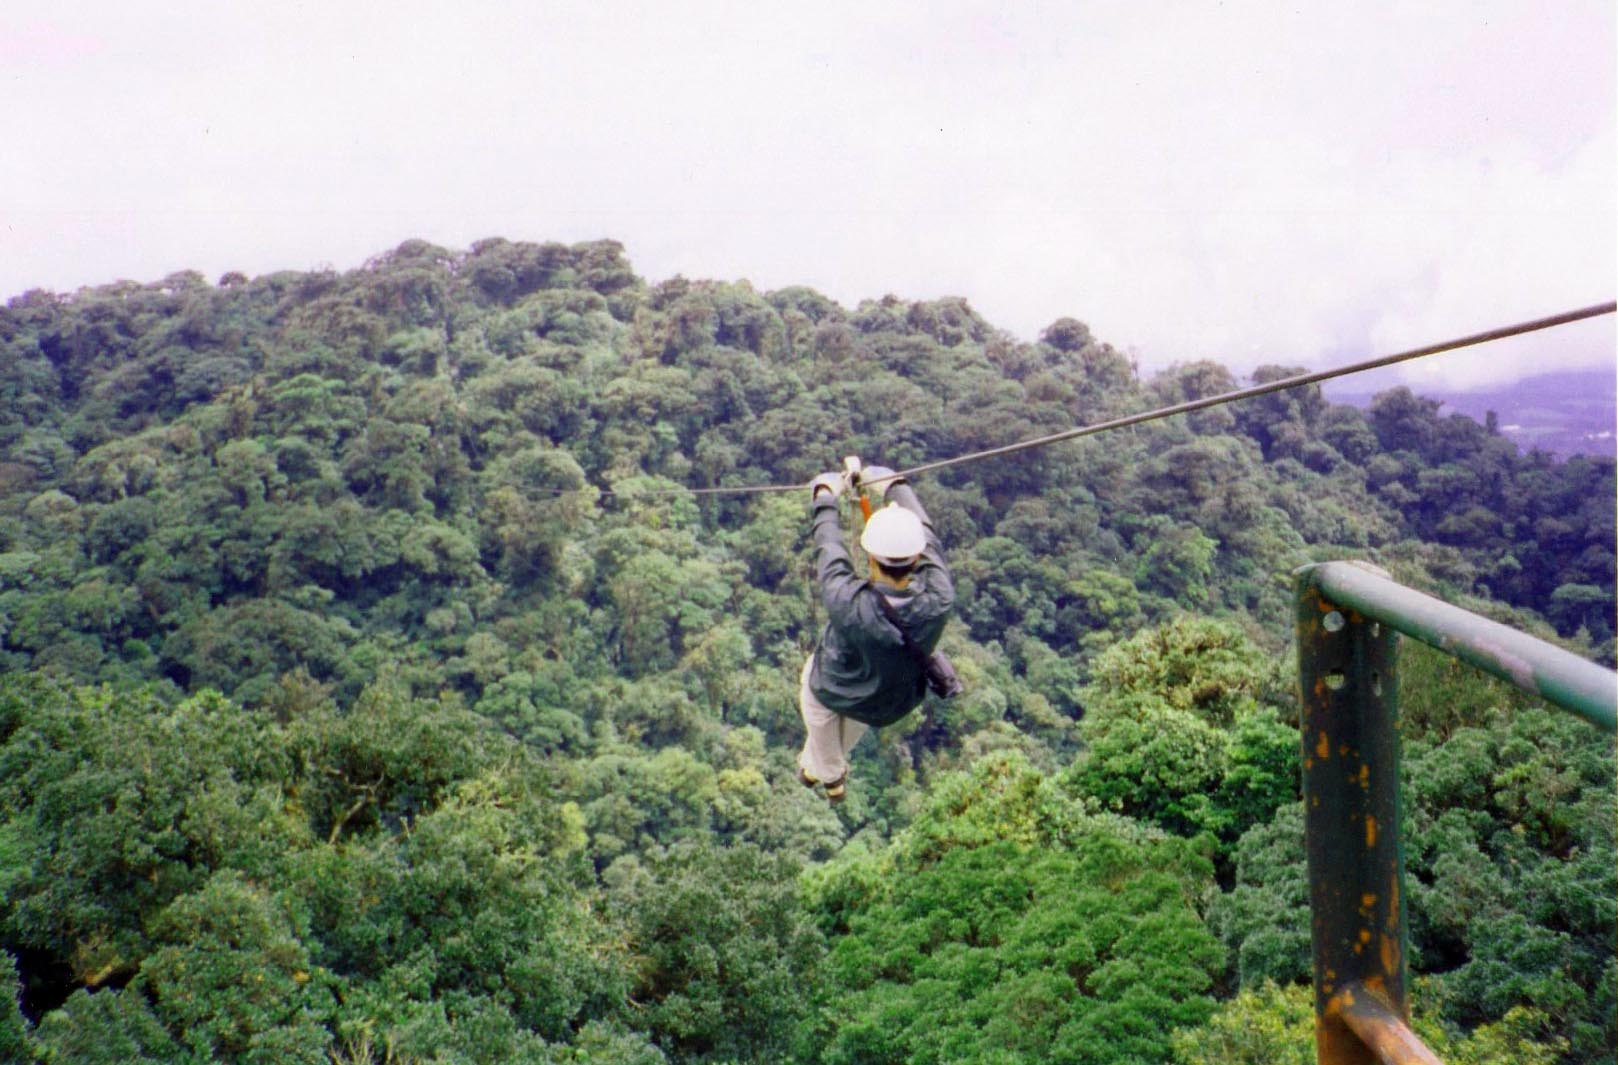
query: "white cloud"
1250, 182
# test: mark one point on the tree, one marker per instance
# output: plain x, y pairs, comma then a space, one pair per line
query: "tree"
16, 1036
1153, 762
1581, 605
1277, 1024
232, 979
116, 805
535, 707
1178, 562
1404, 422
110, 1027
384, 761
721, 957
1288, 414
473, 912
1346, 429
1192, 663
1263, 918
1007, 923
426, 523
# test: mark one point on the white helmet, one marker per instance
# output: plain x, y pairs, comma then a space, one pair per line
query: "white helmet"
894, 534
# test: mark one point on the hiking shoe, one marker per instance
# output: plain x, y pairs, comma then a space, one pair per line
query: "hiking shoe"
837, 790
805, 779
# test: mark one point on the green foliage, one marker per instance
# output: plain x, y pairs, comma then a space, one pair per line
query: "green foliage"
1179, 562
1154, 762
1513, 871
1510, 875
16, 1042
1275, 1025
475, 898
1009, 925
1264, 917
1174, 735
1263, 1025
108, 1028
356, 625
1194, 664
720, 954
385, 760
233, 980
117, 805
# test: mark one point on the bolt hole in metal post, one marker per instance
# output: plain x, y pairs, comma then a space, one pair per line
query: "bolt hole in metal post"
1334, 621
1336, 679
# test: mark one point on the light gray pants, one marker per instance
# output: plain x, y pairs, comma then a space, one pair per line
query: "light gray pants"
830, 735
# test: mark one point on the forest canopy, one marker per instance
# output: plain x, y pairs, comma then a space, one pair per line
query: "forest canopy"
373, 691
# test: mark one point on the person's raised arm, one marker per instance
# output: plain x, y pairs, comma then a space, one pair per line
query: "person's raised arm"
834, 570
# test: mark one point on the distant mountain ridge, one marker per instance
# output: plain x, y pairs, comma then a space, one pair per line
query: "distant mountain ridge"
1572, 412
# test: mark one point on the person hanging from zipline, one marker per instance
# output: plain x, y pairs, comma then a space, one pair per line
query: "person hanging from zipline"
874, 661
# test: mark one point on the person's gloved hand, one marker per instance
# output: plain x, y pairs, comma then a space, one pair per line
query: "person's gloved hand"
879, 477
831, 482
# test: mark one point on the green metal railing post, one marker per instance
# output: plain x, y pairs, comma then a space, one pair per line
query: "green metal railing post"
1348, 616
1351, 808
1538, 668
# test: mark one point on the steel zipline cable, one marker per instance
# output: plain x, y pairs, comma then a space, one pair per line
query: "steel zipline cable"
1297, 381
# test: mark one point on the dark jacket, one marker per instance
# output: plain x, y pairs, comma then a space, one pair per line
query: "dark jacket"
861, 667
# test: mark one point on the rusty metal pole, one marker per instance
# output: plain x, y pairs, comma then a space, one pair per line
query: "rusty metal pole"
1347, 617
1351, 807
1385, 1032
1538, 668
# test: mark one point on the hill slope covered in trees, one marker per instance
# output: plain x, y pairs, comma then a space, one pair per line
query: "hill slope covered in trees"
345, 714
1571, 412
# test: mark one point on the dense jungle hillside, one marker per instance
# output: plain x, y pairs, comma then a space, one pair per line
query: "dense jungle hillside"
374, 692
1572, 412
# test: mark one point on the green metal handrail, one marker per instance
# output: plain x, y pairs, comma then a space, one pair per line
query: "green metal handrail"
1539, 668
1348, 614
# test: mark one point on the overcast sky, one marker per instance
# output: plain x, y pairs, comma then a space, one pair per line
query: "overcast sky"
1301, 183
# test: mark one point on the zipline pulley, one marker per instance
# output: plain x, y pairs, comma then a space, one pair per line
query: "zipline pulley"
851, 470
